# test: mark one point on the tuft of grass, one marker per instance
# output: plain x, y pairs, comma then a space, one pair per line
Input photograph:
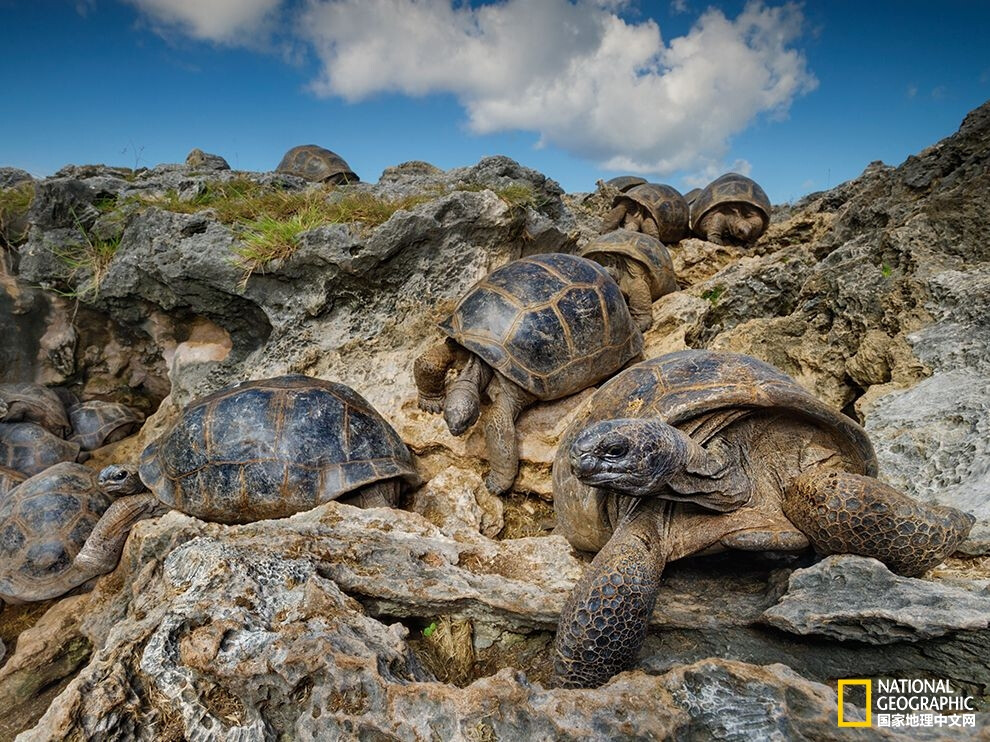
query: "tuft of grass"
270, 238
14, 204
886, 270
518, 194
713, 294
90, 257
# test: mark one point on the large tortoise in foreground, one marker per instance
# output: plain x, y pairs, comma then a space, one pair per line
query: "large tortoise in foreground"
732, 209
696, 452
538, 328
317, 164
261, 449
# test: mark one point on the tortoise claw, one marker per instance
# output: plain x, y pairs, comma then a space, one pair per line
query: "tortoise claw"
430, 404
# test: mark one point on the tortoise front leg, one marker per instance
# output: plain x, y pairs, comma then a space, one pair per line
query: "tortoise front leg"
844, 513
508, 400
613, 220
640, 300
604, 621
650, 227
712, 228
430, 373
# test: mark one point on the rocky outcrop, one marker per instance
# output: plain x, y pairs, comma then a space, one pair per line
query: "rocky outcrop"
339, 621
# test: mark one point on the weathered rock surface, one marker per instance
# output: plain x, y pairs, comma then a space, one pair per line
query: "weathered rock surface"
856, 598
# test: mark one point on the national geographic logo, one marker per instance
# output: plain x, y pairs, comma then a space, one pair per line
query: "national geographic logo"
905, 703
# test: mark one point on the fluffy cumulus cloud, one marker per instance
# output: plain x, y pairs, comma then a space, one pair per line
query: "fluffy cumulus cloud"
577, 73
225, 21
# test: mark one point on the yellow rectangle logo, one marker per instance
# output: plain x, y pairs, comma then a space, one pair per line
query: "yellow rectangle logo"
868, 684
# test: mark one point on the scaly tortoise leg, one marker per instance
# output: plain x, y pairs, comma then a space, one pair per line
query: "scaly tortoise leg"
713, 227
604, 620
508, 400
844, 513
650, 227
614, 218
640, 301
384, 494
430, 373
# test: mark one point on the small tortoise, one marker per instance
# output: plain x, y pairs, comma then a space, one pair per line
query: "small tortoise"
696, 452
44, 523
97, 423
657, 210
538, 328
731, 209
34, 403
640, 264
30, 448
317, 164
256, 450
624, 182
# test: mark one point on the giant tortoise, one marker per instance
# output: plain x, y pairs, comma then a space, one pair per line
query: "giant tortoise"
317, 164
732, 209
699, 451
640, 264
655, 209
538, 328
256, 450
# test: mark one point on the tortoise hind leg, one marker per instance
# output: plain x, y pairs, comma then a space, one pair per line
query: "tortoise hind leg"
384, 494
604, 621
844, 513
508, 400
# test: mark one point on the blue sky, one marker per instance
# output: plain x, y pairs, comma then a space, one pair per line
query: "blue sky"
802, 96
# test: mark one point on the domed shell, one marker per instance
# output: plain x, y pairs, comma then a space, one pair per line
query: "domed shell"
317, 164
667, 206
30, 449
34, 403
645, 250
96, 423
271, 448
730, 188
700, 392
625, 182
44, 522
554, 324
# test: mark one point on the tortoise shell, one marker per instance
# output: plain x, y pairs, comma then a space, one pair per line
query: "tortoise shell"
44, 522
271, 448
9, 478
317, 164
665, 204
727, 189
30, 449
553, 324
692, 196
96, 423
34, 403
645, 250
700, 392
625, 182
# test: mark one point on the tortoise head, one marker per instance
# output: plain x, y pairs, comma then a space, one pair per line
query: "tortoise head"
636, 457
746, 222
118, 480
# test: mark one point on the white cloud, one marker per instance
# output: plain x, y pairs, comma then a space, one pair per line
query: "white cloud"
575, 72
225, 21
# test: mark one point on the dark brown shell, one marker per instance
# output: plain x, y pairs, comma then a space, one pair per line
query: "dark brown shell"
645, 250
727, 189
30, 449
96, 423
34, 403
665, 204
553, 324
625, 182
271, 448
317, 164
686, 389
44, 522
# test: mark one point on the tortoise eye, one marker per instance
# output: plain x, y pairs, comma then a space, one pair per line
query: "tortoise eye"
616, 449
121, 475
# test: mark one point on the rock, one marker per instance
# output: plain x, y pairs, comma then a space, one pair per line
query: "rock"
197, 159
456, 499
12, 176
857, 598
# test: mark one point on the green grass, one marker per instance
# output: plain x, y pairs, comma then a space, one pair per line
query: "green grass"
886, 270
92, 257
14, 204
713, 294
